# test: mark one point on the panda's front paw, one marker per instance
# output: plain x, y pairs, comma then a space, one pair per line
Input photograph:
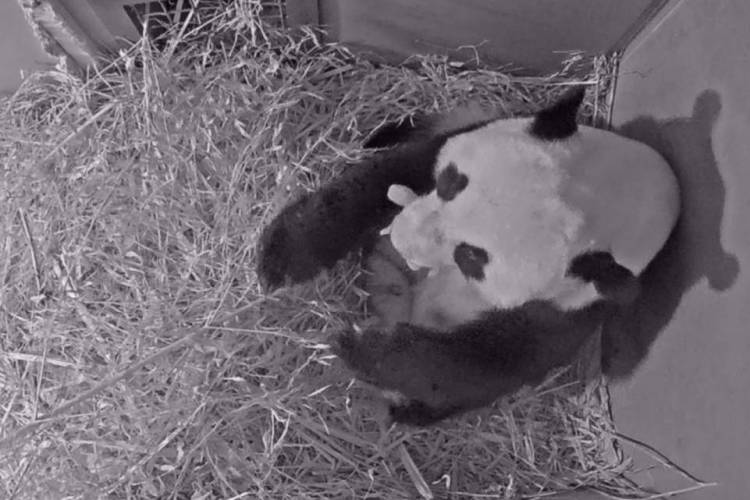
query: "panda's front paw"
273, 258
288, 248
362, 351
345, 344
374, 358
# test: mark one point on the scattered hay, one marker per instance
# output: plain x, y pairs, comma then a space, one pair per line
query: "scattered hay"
139, 358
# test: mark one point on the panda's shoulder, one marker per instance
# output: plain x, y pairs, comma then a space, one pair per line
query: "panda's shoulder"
426, 127
463, 119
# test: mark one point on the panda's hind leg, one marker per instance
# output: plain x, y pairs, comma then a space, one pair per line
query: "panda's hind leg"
612, 280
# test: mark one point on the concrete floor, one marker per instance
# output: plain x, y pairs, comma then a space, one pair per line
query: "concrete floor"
684, 89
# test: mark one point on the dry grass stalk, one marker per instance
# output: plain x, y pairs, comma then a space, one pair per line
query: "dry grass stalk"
139, 358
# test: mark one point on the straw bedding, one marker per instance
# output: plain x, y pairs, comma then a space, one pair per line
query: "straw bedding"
138, 356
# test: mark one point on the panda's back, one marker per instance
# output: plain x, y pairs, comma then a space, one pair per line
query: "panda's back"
628, 192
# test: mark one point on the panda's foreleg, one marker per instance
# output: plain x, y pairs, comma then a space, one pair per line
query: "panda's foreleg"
402, 362
439, 374
323, 226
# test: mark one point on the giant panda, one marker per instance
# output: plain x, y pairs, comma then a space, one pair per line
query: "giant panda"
525, 234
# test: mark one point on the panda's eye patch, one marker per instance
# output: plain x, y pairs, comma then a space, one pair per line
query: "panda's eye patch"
471, 260
450, 182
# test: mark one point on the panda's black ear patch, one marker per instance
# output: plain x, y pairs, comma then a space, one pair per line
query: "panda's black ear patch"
558, 121
471, 260
450, 182
612, 280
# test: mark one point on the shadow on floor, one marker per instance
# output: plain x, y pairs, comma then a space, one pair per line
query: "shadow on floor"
693, 252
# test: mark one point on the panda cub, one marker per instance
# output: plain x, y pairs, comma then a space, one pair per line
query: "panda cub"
522, 235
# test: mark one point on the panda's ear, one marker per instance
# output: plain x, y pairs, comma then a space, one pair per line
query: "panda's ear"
558, 121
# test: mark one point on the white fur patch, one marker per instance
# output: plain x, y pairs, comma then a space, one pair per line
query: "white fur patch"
534, 205
510, 207
446, 299
401, 195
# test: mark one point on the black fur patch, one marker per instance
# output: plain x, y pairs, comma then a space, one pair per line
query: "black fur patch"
471, 260
418, 128
393, 133
322, 227
441, 375
558, 121
450, 182
611, 279
418, 414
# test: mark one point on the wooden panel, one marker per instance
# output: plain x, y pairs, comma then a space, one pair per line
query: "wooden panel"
532, 34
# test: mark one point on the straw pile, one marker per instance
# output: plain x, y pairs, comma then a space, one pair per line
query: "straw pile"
138, 357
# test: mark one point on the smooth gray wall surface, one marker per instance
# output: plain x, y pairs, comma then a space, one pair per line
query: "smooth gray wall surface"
684, 89
531, 34
19, 48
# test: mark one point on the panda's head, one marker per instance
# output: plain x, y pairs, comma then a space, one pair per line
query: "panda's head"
495, 212
516, 201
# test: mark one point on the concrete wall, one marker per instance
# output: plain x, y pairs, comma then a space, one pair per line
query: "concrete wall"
684, 89
531, 34
19, 48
